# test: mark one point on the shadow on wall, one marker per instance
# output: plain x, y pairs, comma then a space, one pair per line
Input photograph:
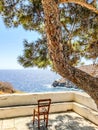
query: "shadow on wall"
65, 122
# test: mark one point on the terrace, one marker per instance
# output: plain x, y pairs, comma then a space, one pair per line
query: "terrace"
69, 110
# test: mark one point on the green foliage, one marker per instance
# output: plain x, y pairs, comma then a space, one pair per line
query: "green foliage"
35, 54
79, 31
28, 13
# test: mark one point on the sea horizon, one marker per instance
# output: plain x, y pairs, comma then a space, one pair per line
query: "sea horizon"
32, 80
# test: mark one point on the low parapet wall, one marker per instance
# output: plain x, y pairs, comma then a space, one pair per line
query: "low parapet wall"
85, 100
31, 98
22, 104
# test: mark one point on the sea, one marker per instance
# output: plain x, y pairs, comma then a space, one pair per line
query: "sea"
32, 80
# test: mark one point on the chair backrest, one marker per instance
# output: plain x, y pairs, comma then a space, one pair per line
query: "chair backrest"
44, 105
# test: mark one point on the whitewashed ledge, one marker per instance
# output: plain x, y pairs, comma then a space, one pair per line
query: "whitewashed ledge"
14, 105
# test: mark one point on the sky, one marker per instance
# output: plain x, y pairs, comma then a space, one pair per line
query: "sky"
11, 45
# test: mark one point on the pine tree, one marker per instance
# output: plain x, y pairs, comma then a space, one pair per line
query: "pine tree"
69, 31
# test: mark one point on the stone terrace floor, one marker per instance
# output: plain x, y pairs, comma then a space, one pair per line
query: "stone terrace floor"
60, 121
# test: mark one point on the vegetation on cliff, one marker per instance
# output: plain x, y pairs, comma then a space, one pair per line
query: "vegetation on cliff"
6, 87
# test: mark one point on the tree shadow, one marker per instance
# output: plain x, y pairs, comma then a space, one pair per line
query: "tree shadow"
64, 122
35, 126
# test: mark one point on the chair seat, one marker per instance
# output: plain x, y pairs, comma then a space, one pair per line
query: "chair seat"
42, 111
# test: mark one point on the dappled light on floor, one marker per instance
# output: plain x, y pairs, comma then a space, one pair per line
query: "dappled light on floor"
64, 121
60, 121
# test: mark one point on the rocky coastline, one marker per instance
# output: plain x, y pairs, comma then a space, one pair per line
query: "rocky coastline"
64, 83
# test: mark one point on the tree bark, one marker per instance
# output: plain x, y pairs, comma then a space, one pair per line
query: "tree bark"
54, 40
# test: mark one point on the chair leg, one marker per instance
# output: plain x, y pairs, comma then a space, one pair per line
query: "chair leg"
38, 121
44, 117
33, 116
46, 121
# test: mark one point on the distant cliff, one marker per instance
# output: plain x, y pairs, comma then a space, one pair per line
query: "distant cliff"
90, 69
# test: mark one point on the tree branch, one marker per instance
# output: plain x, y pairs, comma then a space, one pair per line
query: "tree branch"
82, 3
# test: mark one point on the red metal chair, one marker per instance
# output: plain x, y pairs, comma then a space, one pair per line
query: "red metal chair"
42, 110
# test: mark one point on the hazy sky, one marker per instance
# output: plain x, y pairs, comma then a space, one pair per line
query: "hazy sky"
11, 45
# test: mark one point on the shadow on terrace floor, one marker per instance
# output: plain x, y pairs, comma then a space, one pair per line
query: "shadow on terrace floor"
65, 122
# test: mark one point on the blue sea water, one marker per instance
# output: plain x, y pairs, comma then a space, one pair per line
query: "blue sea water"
34, 80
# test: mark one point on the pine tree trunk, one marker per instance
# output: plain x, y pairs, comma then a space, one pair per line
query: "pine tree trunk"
54, 40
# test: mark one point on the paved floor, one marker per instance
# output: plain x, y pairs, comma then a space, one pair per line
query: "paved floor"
61, 121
